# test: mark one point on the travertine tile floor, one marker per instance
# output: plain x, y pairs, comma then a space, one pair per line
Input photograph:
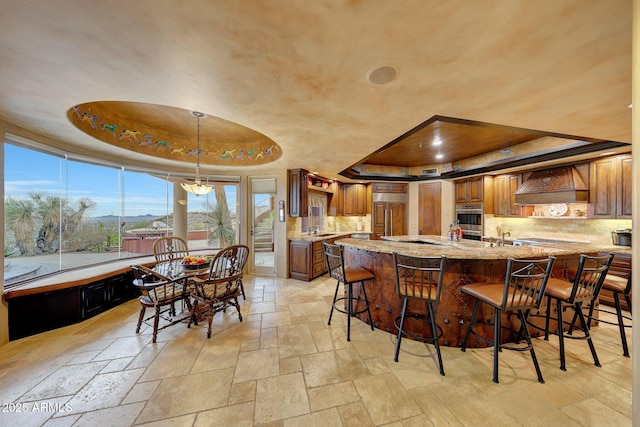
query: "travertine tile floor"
283, 366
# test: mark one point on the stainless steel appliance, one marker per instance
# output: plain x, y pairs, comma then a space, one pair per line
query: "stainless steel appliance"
621, 237
470, 219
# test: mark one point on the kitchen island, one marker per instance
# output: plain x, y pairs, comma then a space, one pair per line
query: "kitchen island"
468, 261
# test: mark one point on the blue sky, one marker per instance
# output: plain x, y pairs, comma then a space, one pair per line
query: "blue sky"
27, 170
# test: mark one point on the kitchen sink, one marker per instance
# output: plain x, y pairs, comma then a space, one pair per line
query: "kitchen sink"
421, 242
533, 241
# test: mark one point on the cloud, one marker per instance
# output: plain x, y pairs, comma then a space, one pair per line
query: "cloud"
24, 186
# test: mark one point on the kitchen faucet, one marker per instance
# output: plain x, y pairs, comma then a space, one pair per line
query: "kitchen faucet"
506, 233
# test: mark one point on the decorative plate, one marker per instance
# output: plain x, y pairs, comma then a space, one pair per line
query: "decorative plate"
558, 209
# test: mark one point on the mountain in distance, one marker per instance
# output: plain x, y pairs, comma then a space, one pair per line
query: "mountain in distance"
109, 219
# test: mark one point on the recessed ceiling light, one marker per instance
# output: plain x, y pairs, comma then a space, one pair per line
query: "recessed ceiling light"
439, 156
437, 141
381, 75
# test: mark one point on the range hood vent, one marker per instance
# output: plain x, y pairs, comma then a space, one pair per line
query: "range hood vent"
558, 185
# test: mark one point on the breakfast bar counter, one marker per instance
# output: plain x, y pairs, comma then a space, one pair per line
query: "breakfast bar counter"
467, 261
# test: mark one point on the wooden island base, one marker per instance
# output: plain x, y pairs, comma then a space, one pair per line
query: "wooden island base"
454, 310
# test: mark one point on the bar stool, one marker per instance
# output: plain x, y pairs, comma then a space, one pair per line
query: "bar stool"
584, 288
347, 275
419, 279
618, 286
522, 291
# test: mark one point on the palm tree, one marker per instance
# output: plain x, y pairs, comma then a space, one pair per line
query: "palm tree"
19, 218
49, 210
56, 217
220, 226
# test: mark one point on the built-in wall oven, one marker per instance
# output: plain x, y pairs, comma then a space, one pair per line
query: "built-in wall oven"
469, 217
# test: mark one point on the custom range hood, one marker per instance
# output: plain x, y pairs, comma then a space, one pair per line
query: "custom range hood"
557, 185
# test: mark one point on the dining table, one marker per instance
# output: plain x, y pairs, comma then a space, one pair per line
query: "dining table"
176, 271
178, 274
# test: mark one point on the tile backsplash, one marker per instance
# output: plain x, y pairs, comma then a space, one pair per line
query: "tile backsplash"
578, 229
332, 223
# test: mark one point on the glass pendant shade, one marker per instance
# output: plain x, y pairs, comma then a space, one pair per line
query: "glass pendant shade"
197, 187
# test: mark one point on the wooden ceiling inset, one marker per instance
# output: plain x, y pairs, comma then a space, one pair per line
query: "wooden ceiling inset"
171, 133
457, 141
468, 145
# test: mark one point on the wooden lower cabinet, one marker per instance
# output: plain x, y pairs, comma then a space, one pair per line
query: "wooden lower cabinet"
306, 259
36, 313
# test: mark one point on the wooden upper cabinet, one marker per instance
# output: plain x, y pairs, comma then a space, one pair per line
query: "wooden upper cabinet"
610, 187
623, 188
389, 187
505, 187
469, 190
354, 197
298, 192
335, 199
474, 190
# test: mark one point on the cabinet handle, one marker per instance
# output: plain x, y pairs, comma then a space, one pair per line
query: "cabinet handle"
385, 222
391, 221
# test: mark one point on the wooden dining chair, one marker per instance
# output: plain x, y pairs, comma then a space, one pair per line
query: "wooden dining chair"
221, 286
160, 294
170, 248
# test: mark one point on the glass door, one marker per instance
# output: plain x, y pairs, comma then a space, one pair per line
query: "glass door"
263, 216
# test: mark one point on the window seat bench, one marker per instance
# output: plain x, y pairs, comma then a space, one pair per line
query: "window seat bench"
70, 296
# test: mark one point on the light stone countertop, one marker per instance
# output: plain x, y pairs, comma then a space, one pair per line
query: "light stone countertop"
306, 237
471, 249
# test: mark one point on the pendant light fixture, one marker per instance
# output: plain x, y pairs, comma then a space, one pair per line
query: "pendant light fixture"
197, 187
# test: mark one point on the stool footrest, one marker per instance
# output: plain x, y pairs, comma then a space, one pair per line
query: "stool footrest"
415, 337
353, 313
501, 345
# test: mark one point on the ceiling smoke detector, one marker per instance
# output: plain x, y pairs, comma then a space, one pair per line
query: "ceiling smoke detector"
381, 75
